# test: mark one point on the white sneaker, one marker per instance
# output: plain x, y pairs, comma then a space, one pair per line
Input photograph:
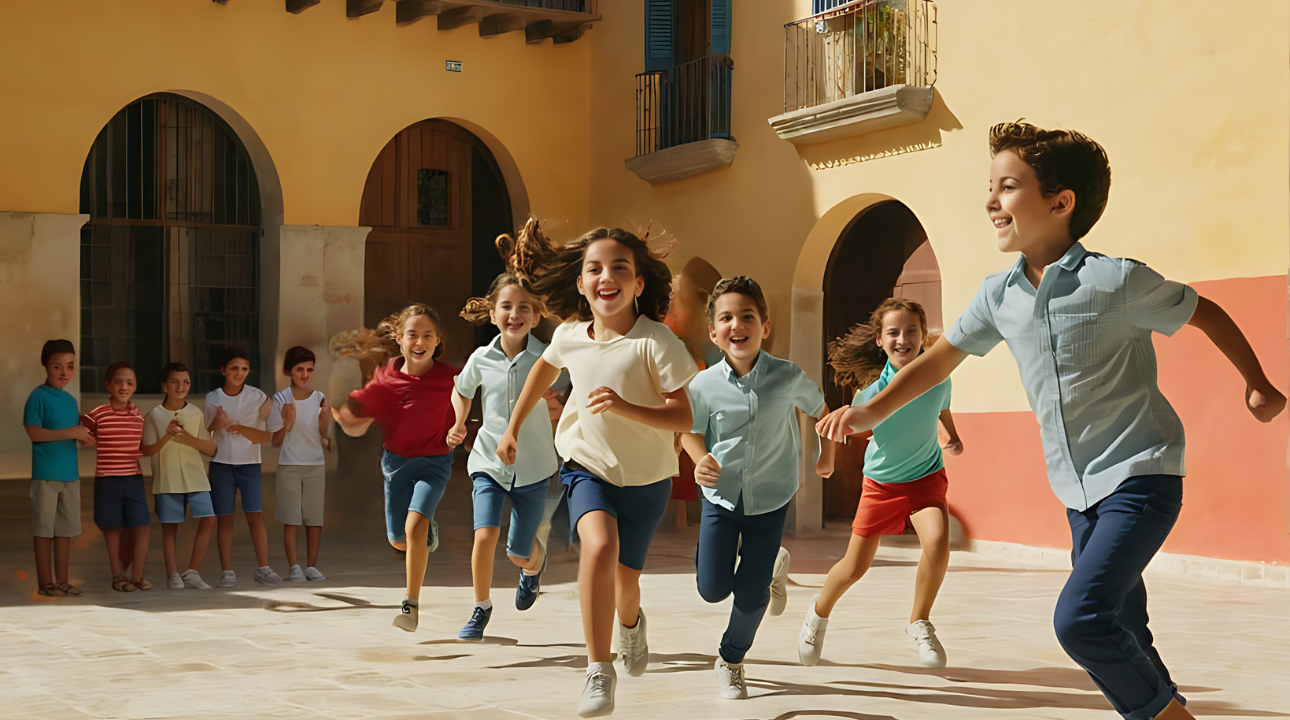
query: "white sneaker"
922, 635
175, 582
779, 584
228, 579
193, 581
407, 619
730, 678
598, 694
311, 573
266, 576
296, 574
633, 647
810, 642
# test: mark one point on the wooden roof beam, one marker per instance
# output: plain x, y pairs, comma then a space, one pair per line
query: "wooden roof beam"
559, 32
295, 7
359, 8
458, 17
495, 25
409, 11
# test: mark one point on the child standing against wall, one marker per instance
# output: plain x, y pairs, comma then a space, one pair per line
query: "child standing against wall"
304, 436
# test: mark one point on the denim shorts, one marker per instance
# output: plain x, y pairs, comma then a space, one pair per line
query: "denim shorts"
638, 509
171, 506
412, 485
120, 501
527, 506
228, 481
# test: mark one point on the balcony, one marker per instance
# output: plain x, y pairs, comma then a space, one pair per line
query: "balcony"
683, 120
859, 67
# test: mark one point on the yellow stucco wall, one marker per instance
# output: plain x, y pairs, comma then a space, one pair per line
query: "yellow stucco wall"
1190, 102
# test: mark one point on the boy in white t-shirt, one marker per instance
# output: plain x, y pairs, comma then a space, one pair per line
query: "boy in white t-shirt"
178, 474
236, 416
304, 436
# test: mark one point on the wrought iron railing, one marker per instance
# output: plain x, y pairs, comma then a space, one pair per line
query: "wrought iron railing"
684, 104
859, 47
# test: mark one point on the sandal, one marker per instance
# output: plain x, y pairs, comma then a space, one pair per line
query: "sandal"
50, 590
143, 584
121, 584
70, 590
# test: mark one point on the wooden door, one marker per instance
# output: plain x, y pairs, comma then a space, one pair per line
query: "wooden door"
417, 202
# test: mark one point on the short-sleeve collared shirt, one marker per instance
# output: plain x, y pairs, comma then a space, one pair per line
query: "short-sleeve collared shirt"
503, 379
1082, 341
905, 446
749, 426
176, 468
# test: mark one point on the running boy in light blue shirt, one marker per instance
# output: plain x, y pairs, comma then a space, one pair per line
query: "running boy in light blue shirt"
746, 444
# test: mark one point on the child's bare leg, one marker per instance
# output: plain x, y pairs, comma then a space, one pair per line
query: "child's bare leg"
62, 548
313, 540
139, 537
126, 553
224, 539
933, 527
533, 562
416, 530
168, 533
205, 526
596, 581
41, 547
481, 560
401, 546
112, 538
259, 537
627, 595
847, 572
289, 544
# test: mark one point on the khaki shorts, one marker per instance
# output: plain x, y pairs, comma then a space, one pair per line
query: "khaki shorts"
55, 508
300, 495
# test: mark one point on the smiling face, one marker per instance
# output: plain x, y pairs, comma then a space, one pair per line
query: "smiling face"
1023, 218
235, 372
737, 328
121, 387
901, 337
514, 312
302, 373
609, 280
177, 385
59, 369
418, 340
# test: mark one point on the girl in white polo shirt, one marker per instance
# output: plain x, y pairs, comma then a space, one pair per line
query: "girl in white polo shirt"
615, 436
304, 436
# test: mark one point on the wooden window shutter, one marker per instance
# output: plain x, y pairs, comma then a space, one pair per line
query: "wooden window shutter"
721, 27
658, 35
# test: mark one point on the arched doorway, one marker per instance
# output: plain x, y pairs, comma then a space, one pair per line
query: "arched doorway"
435, 200
882, 253
170, 258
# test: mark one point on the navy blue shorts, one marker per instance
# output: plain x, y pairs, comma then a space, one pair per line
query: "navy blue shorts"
120, 501
228, 481
638, 509
528, 504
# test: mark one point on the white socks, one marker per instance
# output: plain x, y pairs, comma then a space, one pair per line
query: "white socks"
484, 604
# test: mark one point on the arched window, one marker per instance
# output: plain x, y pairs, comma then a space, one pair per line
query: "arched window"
170, 258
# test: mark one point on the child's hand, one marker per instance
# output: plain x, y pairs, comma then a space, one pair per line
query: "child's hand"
457, 435
324, 414
707, 471
175, 427
82, 435
954, 447
288, 416
824, 467
221, 421
602, 399
506, 448
1264, 402
833, 426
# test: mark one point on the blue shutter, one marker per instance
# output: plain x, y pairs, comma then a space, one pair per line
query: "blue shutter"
721, 27
658, 35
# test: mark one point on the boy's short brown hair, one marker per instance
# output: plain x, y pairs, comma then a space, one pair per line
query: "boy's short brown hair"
171, 368
1061, 160
295, 356
743, 285
54, 347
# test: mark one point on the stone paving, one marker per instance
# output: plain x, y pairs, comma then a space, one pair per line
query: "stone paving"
327, 650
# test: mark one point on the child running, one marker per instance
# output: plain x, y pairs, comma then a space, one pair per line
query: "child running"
179, 482
615, 436
237, 416
304, 436
904, 482
1079, 325
746, 445
410, 398
500, 368
120, 501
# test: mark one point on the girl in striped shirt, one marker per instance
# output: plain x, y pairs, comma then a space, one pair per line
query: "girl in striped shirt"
120, 503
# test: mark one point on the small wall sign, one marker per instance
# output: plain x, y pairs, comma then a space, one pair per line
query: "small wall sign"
454, 66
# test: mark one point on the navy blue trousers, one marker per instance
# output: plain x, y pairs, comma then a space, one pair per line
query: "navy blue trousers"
1101, 615
719, 535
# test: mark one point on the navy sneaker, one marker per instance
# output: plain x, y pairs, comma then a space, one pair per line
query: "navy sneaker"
527, 592
474, 630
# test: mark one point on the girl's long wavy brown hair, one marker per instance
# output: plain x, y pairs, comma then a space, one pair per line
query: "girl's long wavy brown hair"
392, 326
550, 271
857, 359
477, 309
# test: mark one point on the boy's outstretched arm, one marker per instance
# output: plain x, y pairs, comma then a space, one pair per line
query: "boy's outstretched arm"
1264, 401
824, 465
707, 471
924, 373
948, 434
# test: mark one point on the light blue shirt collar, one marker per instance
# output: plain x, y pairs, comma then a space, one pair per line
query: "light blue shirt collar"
1069, 261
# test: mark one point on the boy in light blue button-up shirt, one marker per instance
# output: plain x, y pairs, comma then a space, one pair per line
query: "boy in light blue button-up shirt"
1079, 325
746, 445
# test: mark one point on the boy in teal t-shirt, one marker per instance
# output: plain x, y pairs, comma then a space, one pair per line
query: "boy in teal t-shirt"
52, 421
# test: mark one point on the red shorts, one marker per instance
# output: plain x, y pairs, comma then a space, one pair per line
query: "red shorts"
885, 507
